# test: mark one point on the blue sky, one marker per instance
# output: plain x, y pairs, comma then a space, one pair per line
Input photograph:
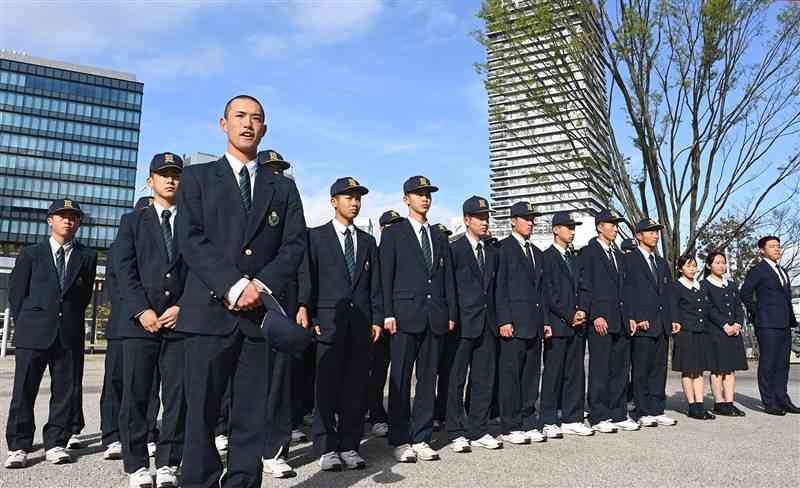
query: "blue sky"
375, 90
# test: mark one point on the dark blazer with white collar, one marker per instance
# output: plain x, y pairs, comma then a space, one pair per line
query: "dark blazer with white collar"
411, 294
222, 243
561, 287
649, 298
600, 287
42, 311
768, 303
520, 292
147, 278
325, 286
476, 292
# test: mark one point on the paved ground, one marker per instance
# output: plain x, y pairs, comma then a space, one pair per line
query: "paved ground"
758, 450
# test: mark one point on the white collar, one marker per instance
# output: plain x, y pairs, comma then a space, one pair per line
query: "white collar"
602, 243
520, 239
560, 249
645, 253
417, 226
719, 283
341, 228
472, 242
692, 285
236, 165
771, 262
54, 245
159, 210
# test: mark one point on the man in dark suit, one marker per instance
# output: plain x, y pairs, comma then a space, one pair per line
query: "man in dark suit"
475, 270
563, 379
521, 323
601, 298
647, 287
379, 360
241, 233
111, 395
767, 295
50, 286
420, 308
151, 277
340, 290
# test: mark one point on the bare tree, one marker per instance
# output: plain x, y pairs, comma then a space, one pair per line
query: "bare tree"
710, 90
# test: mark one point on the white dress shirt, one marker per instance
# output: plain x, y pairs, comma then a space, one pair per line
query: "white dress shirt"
781, 274
606, 247
54, 245
417, 231
521, 240
647, 255
474, 245
721, 283
340, 230
690, 284
159, 210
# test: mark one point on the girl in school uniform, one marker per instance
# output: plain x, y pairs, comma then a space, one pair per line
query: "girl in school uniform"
689, 353
726, 348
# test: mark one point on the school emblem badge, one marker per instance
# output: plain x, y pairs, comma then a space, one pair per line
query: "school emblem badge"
67, 203
273, 220
482, 203
168, 158
423, 181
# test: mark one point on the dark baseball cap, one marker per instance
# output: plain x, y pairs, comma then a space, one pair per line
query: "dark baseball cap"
418, 183
524, 209
64, 205
476, 205
389, 217
564, 218
607, 216
272, 157
647, 224
162, 161
347, 185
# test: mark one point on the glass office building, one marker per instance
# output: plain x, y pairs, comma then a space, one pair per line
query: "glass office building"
66, 131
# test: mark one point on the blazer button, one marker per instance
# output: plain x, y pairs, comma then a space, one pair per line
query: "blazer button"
248, 252
168, 276
166, 293
351, 304
246, 276
60, 314
428, 297
699, 309
485, 306
429, 282
211, 293
537, 305
701, 320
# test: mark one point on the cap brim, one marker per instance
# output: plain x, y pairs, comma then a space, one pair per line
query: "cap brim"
282, 165
359, 190
484, 211
568, 224
651, 227
167, 166
59, 210
610, 221
428, 188
532, 214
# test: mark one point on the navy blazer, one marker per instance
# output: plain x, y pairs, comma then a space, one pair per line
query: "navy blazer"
648, 297
475, 291
768, 303
600, 291
112, 290
724, 306
147, 278
334, 301
42, 311
520, 296
415, 297
221, 243
690, 307
561, 285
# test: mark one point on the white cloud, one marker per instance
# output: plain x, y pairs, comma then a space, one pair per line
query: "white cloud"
170, 65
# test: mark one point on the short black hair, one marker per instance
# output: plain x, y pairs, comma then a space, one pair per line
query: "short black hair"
238, 97
762, 243
684, 258
710, 259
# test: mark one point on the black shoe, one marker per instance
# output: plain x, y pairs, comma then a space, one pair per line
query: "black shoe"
723, 409
708, 415
775, 411
791, 408
695, 411
736, 411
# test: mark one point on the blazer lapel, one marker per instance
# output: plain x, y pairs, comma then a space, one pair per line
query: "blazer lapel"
262, 197
414, 243
152, 221
73, 267
646, 269
614, 273
361, 256
47, 254
469, 255
489, 253
332, 241
229, 189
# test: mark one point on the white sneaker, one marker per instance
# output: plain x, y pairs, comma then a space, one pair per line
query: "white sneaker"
221, 442
140, 479
460, 444
535, 436
299, 436
516, 437
664, 420
576, 428
151, 449
352, 460
74, 442
278, 467
424, 451
404, 454
628, 425
167, 477
552, 432
330, 462
16, 459
648, 421
605, 427
113, 451
487, 442
57, 455
380, 429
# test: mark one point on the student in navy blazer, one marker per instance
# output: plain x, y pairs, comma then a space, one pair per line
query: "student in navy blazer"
767, 295
151, 277
50, 286
420, 307
563, 379
648, 291
341, 291
241, 232
521, 319
475, 358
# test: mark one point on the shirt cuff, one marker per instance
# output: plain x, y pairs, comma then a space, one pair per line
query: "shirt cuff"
387, 319
264, 288
236, 291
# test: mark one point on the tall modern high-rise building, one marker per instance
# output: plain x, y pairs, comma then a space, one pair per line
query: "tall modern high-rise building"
556, 161
66, 131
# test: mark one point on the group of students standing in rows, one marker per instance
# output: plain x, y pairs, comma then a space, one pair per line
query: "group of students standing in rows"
195, 274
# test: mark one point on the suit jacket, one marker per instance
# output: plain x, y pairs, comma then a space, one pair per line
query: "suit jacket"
768, 303
222, 243
690, 307
600, 291
475, 291
147, 278
42, 311
724, 306
520, 291
335, 302
117, 317
561, 286
415, 297
648, 298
